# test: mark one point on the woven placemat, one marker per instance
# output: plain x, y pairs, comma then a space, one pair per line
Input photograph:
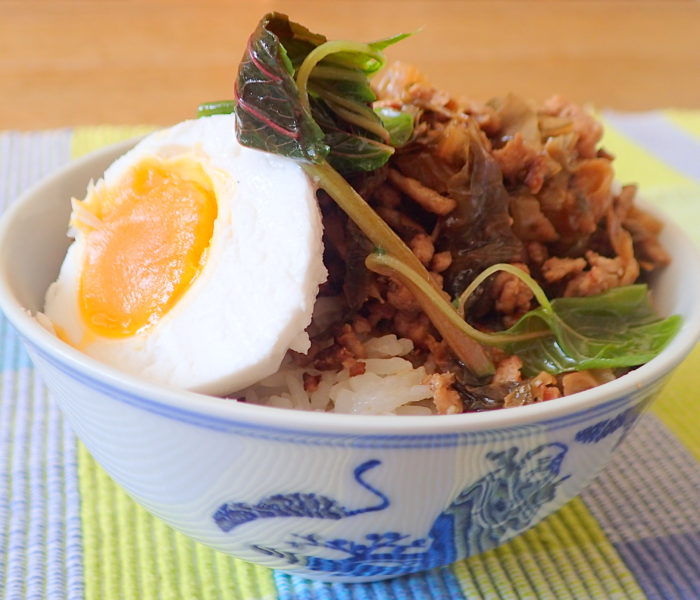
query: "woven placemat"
67, 531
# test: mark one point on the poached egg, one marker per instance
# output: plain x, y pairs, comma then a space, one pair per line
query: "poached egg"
196, 261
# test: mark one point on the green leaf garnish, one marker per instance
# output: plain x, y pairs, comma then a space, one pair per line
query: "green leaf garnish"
617, 328
351, 148
390, 41
304, 97
269, 115
398, 124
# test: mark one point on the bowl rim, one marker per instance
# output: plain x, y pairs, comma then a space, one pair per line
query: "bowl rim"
195, 404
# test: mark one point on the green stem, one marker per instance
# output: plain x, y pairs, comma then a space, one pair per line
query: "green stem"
318, 54
338, 74
372, 225
361, 121
394, 251
540, 296
359, 114
388, 265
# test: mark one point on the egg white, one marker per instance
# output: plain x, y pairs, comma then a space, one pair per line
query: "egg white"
254, 296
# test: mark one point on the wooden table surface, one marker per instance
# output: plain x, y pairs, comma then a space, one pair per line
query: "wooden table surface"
76, 62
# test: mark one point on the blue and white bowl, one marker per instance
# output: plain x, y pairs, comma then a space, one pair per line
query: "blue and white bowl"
327, 496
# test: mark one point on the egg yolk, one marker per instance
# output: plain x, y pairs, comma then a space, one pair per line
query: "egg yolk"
145, 245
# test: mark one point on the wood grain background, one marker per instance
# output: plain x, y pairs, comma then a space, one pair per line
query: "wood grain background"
66, 62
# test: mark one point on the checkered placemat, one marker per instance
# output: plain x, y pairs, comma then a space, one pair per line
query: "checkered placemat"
67, 531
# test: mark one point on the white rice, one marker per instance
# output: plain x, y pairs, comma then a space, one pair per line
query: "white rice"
389, 385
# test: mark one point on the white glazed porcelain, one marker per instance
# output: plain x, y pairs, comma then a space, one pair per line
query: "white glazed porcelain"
334, 497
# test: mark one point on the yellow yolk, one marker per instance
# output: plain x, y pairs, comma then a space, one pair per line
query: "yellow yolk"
145, 245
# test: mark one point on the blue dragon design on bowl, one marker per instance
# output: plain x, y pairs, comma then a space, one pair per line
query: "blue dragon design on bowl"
310, 505
486, 513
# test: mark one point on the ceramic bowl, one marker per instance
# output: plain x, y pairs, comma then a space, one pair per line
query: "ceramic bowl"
327, 496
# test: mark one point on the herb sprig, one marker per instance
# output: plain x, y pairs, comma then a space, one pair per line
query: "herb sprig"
309, 99
306, 98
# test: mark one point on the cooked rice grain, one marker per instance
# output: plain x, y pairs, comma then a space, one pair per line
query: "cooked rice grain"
389, 385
